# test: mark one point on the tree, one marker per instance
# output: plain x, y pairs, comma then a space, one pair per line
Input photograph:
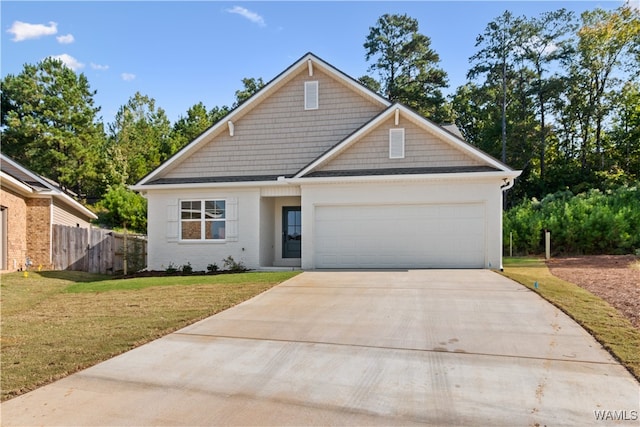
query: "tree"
198, 120
139, 140
370, 83
124, 208
407, 66
624, 137
496, 61
607, 42
50, 124
546, 43
251, 86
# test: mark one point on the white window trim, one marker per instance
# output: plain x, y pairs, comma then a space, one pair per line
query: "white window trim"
202, 220
311, 93
396, 143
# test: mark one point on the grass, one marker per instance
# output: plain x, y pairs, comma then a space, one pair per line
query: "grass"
607, 325
56, 323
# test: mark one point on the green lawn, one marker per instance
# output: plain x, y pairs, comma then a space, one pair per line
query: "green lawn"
603, 321
56, 323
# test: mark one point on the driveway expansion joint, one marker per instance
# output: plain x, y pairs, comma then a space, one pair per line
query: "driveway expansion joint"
460, 352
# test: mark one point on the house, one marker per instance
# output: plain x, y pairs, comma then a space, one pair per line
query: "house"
317, 171
30, 205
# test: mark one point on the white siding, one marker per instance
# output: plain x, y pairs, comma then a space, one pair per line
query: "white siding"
165, 247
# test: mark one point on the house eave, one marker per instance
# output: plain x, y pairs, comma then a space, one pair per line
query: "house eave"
283, 181
26, 190
16, 185
461, 176
207, 185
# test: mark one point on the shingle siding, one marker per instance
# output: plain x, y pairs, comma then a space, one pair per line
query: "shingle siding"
422, 150
279, 136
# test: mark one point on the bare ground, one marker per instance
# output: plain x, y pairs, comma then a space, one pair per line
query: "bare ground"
614, 278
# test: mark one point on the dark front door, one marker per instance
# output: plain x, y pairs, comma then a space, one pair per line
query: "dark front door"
291, 232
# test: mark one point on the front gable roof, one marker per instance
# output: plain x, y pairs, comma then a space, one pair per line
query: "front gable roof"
469, 158
308, 67
270, 137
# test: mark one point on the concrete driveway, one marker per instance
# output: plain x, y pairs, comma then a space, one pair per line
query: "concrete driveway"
429, 347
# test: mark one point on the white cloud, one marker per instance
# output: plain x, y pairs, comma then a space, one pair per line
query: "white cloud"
66, 39
127, 77
246, 13
98, 67
25, 31
634, 4
69, 61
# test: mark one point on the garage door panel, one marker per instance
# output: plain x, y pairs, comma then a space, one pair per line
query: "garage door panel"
407, 236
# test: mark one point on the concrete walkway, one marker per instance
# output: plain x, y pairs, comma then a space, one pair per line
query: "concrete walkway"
428, 347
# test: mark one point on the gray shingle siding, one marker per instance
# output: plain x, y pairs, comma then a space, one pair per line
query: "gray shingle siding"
422, 150
278, 136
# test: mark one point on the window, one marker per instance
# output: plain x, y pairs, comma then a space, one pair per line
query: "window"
396, 143
203, 219
311, 95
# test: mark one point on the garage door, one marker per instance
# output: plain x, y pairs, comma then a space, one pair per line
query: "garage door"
405, 236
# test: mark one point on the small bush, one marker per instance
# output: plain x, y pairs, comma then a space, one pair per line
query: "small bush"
233, 265
187, 269
212, 268
171, 268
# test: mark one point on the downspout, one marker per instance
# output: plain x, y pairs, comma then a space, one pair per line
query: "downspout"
507, 185
504, 187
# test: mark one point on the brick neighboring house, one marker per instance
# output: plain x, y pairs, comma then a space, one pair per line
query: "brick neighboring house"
30, 205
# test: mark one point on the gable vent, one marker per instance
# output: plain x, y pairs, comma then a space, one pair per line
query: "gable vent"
396, 143
311, 95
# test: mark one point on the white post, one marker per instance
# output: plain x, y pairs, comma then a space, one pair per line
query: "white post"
547, 244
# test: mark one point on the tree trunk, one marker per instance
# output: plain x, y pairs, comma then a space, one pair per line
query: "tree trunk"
504, 111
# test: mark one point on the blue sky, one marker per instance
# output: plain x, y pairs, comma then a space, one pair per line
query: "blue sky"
181, 53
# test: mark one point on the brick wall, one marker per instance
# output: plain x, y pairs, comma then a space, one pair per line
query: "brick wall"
38, 232
16, 213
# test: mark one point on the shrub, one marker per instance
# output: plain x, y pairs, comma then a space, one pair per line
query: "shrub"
233, 265
593, 222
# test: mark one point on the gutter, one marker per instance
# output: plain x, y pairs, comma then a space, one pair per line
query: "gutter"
508, 176
508, 184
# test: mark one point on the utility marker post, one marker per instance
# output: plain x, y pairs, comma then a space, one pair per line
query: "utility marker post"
547, 244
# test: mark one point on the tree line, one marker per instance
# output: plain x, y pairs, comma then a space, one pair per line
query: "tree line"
556, 95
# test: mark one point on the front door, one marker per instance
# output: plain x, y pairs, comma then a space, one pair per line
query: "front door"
291, 232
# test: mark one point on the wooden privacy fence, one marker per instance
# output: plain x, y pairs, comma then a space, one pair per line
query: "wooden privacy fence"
96, 250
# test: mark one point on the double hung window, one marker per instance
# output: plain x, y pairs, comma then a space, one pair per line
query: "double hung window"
202, 219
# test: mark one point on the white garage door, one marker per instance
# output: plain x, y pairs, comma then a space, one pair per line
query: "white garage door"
406, 236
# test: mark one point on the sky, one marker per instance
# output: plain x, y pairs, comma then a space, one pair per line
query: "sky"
184, 52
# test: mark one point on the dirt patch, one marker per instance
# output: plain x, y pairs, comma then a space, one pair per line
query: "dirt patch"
614, 278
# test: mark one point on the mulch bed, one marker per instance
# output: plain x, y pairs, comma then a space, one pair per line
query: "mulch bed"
611, 277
